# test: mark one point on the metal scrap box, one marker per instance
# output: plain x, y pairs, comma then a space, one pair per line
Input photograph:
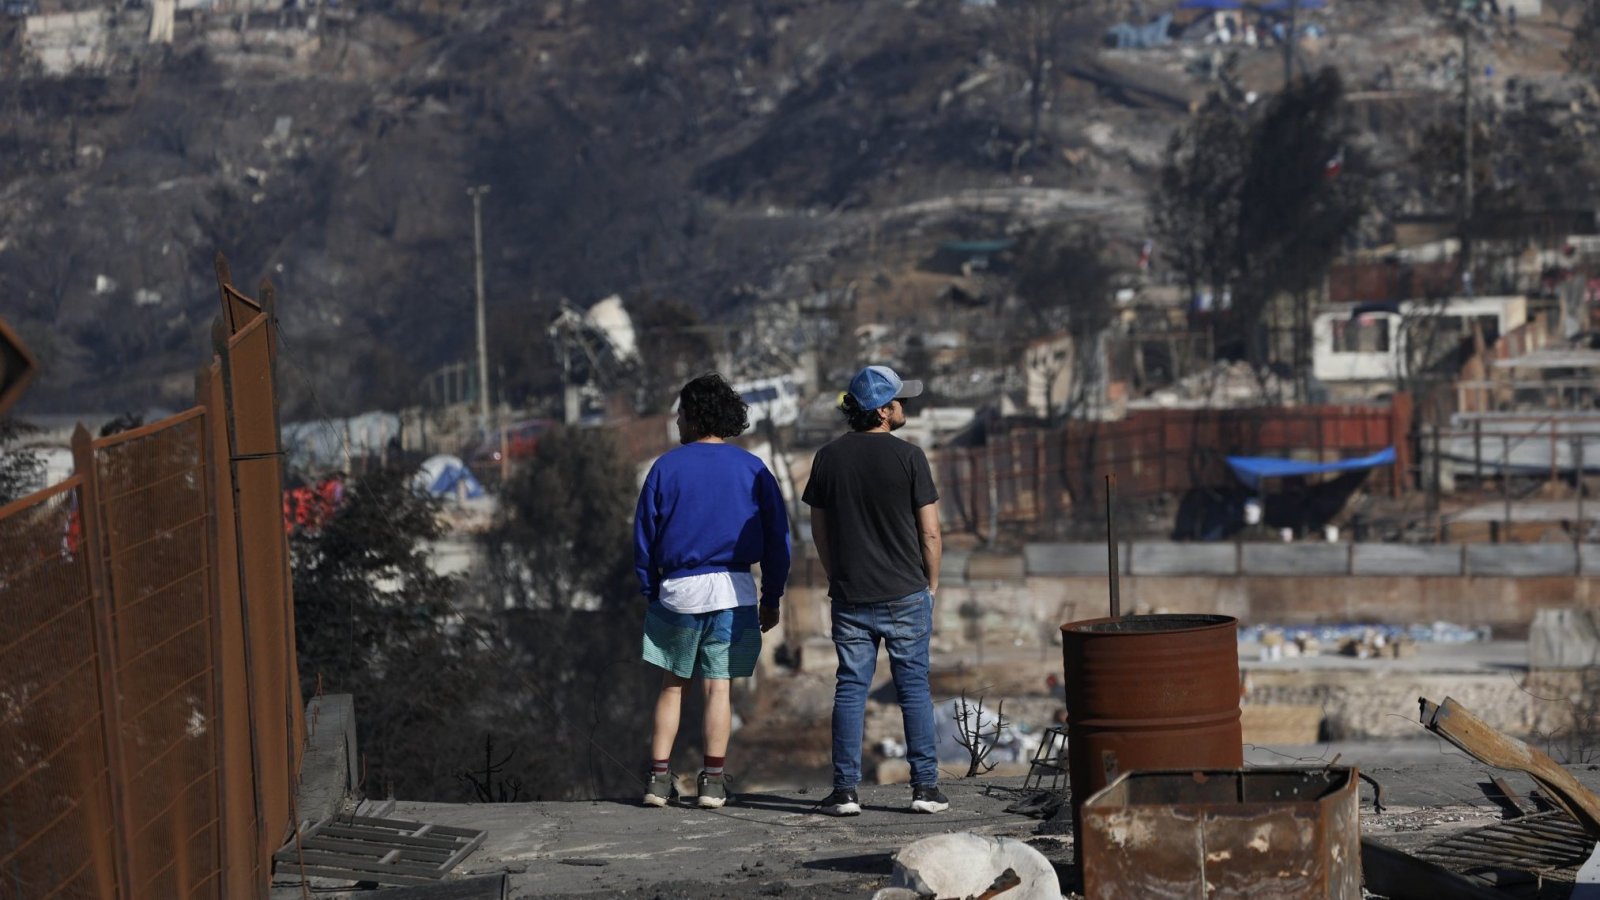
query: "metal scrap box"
1224, 833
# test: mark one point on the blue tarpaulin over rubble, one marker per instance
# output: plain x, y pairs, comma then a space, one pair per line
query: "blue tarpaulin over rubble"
1253, 469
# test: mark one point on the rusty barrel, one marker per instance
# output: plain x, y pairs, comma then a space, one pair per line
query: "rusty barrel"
1150, 692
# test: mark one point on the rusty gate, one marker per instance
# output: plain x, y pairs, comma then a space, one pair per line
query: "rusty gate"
150, 715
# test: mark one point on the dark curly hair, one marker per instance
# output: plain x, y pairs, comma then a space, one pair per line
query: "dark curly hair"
713, 408
858, 418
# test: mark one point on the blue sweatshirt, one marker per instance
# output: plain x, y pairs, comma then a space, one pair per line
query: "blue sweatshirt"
709, 507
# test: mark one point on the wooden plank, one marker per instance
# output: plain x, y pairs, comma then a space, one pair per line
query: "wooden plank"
1460, 727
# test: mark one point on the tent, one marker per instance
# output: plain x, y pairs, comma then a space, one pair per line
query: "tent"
1252, 470
1210, 4
445, 476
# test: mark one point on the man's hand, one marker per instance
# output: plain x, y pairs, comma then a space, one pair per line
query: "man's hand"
769, 618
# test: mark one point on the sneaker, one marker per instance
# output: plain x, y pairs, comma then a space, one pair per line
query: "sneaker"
713, 791
842, 802
928, 799
661, 790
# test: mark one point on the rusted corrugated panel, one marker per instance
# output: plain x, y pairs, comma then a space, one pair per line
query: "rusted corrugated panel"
154, 505
1221, 834
242, 865
59, 836
257, 474
1150, 692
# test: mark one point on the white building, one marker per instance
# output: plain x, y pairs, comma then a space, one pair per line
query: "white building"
1359, 353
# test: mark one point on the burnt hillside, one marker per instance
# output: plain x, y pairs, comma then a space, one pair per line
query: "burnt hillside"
690, 152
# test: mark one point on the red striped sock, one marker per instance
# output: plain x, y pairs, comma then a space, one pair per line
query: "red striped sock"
660, 766
714, 764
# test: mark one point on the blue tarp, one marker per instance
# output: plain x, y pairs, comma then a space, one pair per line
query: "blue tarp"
1209, 4
1253, 469
1125, 36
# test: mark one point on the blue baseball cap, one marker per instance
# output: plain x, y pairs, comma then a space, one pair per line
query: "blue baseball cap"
875, 386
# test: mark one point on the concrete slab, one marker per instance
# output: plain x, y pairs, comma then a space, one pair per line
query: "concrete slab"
754, 845
773, 844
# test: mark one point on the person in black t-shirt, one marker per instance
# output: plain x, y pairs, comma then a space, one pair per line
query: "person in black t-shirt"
875, 522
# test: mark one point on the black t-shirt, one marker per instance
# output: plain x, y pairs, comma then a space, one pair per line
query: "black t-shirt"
871, 485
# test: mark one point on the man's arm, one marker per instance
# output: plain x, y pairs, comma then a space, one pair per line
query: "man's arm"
644, 538
775, 548
819, 537
932, 543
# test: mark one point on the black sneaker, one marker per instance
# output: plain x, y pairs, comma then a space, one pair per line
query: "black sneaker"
661, 790
928, 799
842, 802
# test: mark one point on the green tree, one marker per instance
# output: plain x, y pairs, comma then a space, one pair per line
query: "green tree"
560, 556
21, 469
373, 619
1271, 222
562, 533
1066, 280
1195, 210
1034, 35
1583, 52
674, 346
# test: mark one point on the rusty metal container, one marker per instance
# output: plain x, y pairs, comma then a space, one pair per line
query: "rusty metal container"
1150, 692
1289, 833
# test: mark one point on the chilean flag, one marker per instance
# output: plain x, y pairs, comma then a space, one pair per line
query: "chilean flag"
1334, 165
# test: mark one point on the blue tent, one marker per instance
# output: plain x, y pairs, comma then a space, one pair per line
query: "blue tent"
1209, 4
443, 476
1253, 469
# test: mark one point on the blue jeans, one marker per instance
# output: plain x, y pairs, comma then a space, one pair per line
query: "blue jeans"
904, 626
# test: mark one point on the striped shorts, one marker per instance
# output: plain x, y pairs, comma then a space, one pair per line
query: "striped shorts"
720, 644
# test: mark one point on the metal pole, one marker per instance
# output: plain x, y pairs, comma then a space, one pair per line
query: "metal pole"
1477, 454
476, 193
1578, 531
1466, 145
1112, 565
1435, 492
1505, 484
1289, 44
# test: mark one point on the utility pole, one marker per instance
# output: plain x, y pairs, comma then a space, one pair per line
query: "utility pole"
1466, 147
1292, 40
476, 193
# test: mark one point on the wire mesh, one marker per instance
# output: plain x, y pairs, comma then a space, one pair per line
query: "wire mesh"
57, 828
156, 517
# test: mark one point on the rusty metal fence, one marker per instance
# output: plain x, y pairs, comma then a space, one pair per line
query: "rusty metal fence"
56, 826
1030, 476
150, 718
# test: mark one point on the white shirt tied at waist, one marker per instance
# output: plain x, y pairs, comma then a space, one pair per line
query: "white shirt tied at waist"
708, 592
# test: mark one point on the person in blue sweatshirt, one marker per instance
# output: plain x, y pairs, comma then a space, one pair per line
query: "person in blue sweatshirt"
708, 511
